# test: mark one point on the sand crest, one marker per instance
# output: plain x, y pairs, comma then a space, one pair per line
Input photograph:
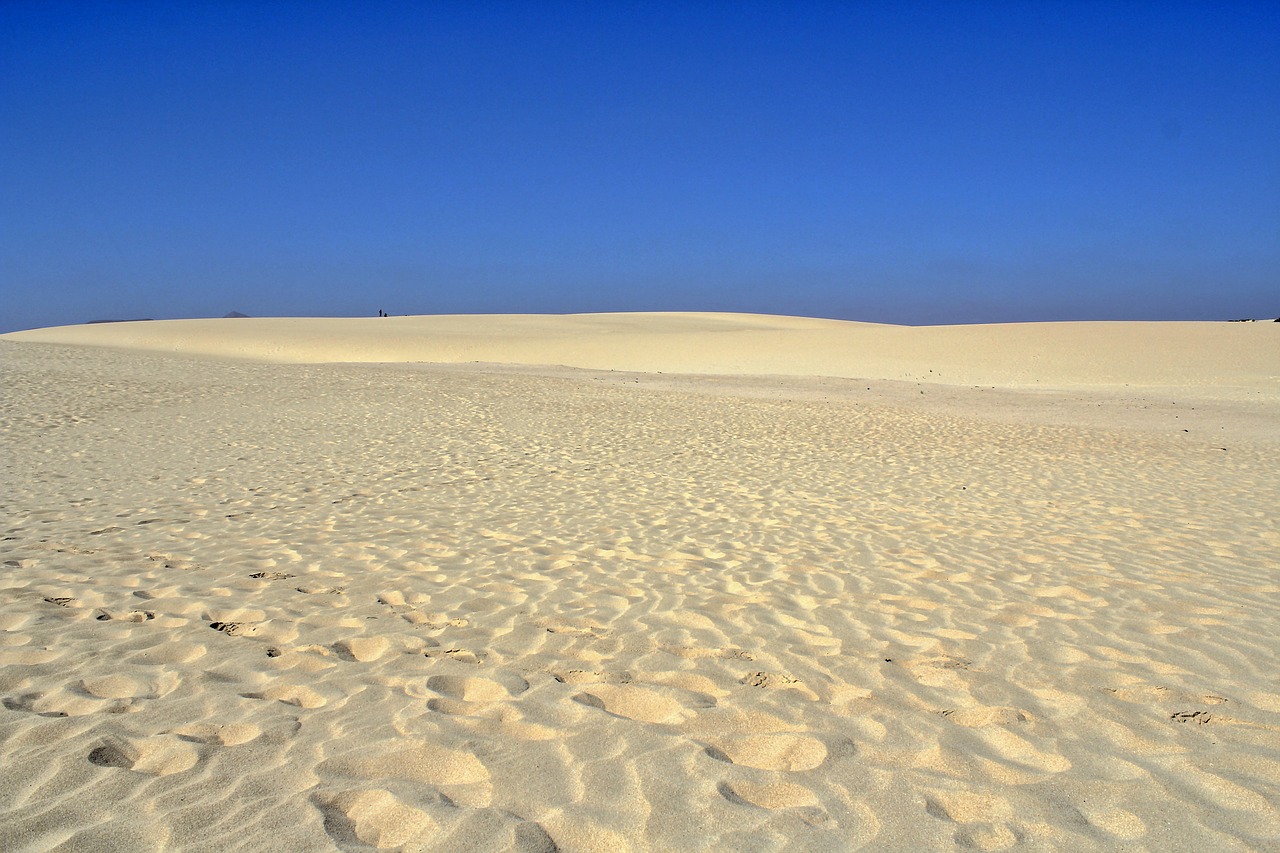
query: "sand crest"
1020, 354
251, 600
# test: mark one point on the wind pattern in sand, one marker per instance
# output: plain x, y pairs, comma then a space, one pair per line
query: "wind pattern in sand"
327, 606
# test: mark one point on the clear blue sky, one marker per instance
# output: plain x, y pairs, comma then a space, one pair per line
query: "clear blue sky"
895, 162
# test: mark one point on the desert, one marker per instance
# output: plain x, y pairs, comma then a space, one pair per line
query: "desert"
667, 581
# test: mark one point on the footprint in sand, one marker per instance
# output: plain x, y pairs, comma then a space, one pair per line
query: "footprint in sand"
225, 734
476, 688
583, 676
162, 755
381, 819
1155, 693
641, 704
322, 590
234, 629
593, 631
272, 576
769, 679
484, 705
110, 756
938, 662
35, 703
776, 680
362, 649
60, 548
788, 751
118, 686
982, 818
456, 653
290, 694
374, 818
130, 616
943, 671
501, 720
1203, 718
983, 715
172, 562
1200, 717
693, 653
434, 621
111, 694
769, 795
456, 773
405, 605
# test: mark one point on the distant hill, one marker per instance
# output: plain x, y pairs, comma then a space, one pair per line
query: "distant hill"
231, 315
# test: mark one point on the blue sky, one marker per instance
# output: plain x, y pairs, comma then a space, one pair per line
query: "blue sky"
893, 162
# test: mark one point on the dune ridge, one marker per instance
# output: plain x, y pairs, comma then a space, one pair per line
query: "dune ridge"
250, 603
1019, 354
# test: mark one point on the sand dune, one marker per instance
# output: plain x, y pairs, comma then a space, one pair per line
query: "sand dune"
1023, 354
253, 605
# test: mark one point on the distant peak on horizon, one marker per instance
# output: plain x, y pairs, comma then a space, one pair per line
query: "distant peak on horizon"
232, 315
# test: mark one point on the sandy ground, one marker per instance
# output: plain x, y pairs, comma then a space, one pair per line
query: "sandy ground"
1241, 356
303, 606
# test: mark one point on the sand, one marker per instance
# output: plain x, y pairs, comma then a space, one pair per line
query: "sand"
1021, 354
586, 595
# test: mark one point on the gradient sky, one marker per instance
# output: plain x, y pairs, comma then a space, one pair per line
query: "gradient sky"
894, 162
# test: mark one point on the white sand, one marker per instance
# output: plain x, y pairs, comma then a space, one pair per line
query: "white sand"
250, 605
1021, 354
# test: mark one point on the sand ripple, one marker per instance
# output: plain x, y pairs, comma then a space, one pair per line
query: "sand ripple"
318, 607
